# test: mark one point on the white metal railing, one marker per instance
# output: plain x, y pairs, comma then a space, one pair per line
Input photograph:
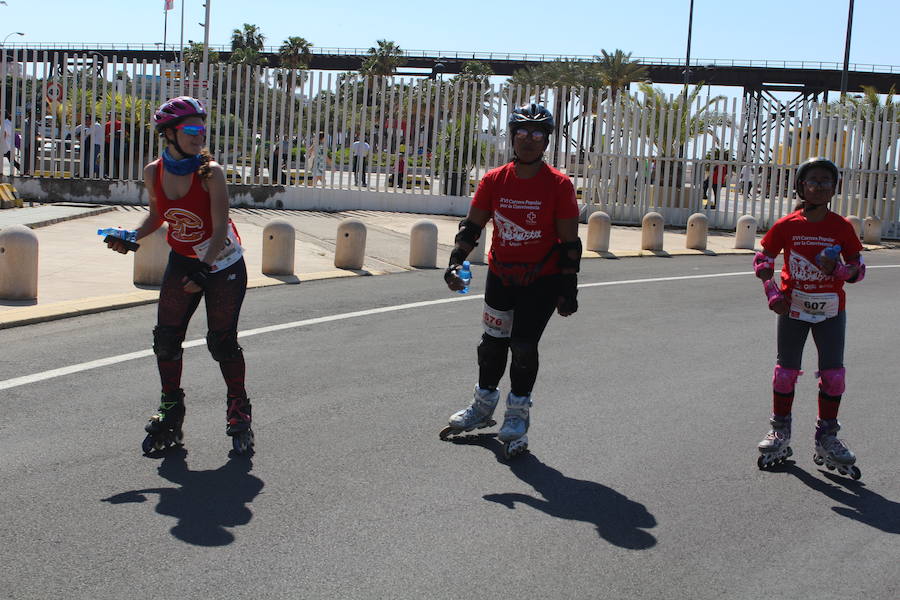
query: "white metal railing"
438, 138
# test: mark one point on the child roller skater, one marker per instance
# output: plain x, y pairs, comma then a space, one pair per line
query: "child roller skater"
533, 266
810, 298
186, 189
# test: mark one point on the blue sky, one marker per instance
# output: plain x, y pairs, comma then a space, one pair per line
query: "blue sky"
761, 29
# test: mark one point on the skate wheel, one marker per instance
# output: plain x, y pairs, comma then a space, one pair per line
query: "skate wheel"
855, 473
818, 460
147, 444
761, 462
446, 432
242, 442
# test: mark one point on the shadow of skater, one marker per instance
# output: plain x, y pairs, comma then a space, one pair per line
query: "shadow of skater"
206, 502
863, 505
618, 520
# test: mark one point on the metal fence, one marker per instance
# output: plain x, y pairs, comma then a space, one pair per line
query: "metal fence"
87, 117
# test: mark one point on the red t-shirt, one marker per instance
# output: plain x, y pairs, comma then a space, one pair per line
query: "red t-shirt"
525, 213
801, 241
189, 217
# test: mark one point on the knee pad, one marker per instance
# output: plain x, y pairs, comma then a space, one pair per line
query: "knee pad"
223, 345
785, 379
831, 381
524, 355
167, 343
492, 351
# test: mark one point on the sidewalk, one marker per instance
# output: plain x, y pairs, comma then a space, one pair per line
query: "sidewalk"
77, 274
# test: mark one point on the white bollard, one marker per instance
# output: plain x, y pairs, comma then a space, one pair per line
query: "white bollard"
476, 256
697, 232
652, 229
350, 245
857, 225
599, 229
423, 243
278, 248
745, 233
872, 230
18, 263
151, 258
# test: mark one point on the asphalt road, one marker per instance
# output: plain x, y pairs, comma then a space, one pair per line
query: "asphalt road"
642, 481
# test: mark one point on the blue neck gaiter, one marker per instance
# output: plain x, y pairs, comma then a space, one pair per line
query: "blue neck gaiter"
184, 166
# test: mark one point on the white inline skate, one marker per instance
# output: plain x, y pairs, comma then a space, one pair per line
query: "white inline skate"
833, 452
775, 448
477, 416
515, 425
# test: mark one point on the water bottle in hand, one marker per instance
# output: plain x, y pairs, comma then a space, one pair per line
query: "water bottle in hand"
466, 275
831, 253
128, 237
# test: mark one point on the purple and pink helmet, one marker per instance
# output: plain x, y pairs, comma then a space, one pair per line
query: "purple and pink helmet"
176, 110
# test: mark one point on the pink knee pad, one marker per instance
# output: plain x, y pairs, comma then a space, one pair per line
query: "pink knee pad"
785, 379
832, 382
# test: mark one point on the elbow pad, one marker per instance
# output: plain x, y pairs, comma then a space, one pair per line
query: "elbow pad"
570, 255
469, 232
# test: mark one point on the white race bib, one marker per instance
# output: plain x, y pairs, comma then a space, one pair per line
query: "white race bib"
497, 323
231, 252
813, 308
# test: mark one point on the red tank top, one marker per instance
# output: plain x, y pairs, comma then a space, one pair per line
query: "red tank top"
189, 217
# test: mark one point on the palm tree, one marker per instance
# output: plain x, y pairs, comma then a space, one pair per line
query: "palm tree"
617, 71
245, 56
383, 60
193, 55
295, 53
248, 37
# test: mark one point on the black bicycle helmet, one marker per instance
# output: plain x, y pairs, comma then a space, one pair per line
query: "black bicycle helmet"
532, 114
813, 163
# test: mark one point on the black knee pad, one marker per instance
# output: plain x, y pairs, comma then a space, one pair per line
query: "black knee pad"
167, 343
223, 345
524, 355
492, 351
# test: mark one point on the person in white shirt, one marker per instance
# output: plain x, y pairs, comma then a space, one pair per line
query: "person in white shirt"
7, 143
360, 152
91, 137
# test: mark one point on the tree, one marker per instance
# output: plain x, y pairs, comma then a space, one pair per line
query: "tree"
382, 60
295, 53
193, 54
247, 37
617, 71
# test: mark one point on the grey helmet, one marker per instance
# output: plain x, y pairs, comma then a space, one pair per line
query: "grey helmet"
532, 114
813, 163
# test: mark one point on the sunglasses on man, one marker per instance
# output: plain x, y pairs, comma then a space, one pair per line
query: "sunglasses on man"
192, 129
537, 135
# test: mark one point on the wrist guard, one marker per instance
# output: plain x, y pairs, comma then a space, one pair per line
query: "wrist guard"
860, 269
200, 275
457, 256
772, 292
761, 262
568, 290
570, 255
469, 232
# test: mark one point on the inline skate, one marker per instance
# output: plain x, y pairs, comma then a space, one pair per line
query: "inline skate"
833, 452
237, 426
477, 416
165, 427
515, 425
775, 448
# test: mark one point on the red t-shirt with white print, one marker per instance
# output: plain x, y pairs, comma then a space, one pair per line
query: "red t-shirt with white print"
801, 241
525, 213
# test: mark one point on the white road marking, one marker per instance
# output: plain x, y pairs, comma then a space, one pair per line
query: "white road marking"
112, 360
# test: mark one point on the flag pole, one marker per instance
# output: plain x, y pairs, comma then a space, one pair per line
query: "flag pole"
181, 47
165, 25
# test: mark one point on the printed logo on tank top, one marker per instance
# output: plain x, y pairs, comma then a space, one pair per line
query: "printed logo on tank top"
184, 225
512, 234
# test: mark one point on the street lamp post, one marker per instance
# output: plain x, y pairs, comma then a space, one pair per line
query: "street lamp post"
3, 43
844, 75
687, 60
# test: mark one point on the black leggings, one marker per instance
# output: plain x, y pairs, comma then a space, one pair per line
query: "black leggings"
533, 305
828, 335
224, 295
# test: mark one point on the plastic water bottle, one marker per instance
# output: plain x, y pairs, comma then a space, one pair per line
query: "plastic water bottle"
832, 252
123, 234
466, 275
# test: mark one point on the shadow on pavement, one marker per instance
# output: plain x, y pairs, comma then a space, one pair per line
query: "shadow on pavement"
206, 503
619, 520
862, 504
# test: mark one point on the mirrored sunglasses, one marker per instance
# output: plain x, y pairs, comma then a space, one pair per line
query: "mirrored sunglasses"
537, 135
192, 129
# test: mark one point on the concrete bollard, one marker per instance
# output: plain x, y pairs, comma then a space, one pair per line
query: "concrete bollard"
745, 233
350, 245
857, 225
423, 242
18, 263
151, 258
652, 229
697, 232
599, 227
872, 230
278, 248
476, 256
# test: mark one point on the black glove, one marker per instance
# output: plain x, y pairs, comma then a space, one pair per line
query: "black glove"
568, 292
200, 275
451, 274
